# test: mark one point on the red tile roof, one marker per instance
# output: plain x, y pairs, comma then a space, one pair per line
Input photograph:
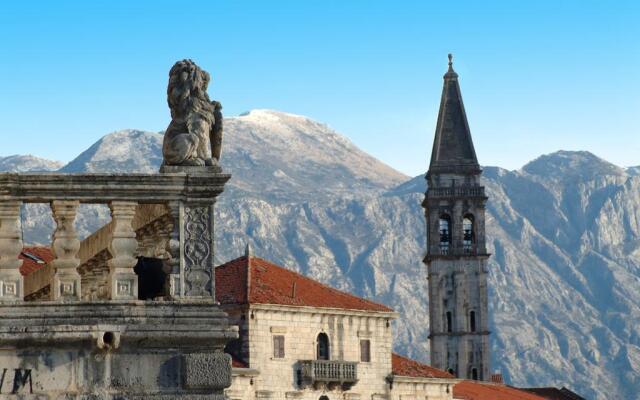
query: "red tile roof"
403, 366
551, 393
256, 281
472, 390
30, 265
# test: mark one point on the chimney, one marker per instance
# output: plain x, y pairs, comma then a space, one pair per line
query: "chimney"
248, 253
497, 378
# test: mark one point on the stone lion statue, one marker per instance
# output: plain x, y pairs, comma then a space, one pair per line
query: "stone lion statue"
194, 136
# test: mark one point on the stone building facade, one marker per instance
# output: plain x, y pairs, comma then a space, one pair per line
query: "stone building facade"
300, 339
456, 250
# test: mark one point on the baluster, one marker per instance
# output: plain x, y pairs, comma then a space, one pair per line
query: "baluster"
171, 267
123, 282
65, 246
11, 282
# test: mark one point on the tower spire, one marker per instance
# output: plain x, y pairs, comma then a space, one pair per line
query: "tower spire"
452, 145
455, 207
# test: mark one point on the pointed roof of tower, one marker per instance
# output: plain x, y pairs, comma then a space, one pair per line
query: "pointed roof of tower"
452, 147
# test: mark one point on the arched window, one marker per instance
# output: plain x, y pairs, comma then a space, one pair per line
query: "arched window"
467, 233
472, 321
323, 347
474, 374
324, 398
451, 371
449, 322
444, 227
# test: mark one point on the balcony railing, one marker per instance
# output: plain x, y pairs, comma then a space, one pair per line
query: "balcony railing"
444, 249
457, 191
146, 210
328, 373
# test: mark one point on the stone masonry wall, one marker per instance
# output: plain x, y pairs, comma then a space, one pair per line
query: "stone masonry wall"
300, 327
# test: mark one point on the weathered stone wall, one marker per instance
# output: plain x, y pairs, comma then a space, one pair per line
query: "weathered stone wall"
108, 351
405, 388
300, 327
243, 385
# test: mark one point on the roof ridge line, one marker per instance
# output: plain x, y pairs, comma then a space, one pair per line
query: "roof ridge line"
321, 284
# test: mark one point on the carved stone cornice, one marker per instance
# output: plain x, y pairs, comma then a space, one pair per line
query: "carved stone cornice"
198, 325
103, 188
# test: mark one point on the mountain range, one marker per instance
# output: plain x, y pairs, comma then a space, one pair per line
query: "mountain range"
564, 233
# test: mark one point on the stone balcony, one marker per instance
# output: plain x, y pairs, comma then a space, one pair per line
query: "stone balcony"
328, 373
76, 326
181, 205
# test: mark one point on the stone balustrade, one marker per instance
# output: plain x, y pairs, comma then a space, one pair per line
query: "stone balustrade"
325, 373
167, 216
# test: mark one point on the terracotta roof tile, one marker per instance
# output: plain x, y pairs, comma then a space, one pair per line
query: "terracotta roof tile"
272, 284
551, 393
403, 366
30, 264
472, 390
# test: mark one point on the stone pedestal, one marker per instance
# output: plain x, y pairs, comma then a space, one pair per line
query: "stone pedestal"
114, 350
192, 240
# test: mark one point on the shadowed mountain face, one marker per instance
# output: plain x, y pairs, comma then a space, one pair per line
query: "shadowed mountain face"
564, 232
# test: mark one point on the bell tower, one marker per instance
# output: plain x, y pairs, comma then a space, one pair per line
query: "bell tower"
456, 252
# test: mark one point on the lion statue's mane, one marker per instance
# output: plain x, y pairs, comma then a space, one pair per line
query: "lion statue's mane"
194, 136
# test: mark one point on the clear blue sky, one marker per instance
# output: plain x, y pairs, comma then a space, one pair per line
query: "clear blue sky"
536, 76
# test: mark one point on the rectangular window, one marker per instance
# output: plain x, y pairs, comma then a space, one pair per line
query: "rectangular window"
365, 350
472, 321
278, 346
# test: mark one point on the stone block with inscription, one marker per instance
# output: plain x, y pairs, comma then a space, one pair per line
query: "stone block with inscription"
109, 351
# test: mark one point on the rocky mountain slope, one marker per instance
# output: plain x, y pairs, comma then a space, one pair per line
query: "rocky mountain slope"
262, 150
28, 163
564, 232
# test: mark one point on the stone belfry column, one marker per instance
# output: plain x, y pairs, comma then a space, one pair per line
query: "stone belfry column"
11, 283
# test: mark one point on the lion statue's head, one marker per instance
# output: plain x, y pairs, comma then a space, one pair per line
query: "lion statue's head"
187, 91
